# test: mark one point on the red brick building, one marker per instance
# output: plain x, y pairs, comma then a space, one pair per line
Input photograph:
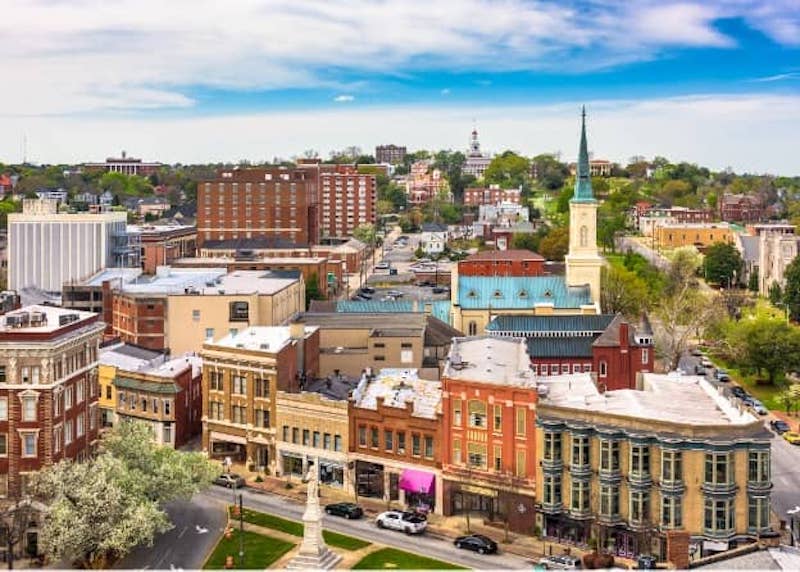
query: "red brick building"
488, 421
605, 344
502, 263
161, 244
476, 196
741, 208
139, 319
348, 199
276, 203
48, 391
395, 438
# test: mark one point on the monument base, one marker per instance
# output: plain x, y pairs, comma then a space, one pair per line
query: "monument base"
327, 560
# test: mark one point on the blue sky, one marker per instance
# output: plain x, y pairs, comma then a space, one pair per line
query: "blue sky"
203, 80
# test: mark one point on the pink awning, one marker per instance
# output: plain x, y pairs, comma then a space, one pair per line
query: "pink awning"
417, 481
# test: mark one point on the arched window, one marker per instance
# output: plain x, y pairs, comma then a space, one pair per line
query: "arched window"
472, 329
584, 235
497, 294
603, 369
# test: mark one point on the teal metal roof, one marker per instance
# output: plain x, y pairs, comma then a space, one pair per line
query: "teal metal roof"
375, 307
583, 178
519, 292
566, 347
590, 323
441, 309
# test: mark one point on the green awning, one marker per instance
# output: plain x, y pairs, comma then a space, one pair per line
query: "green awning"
149, 386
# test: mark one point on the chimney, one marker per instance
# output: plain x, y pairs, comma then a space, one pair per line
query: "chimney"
623, 334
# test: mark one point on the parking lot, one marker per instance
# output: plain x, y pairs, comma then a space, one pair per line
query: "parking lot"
407, 292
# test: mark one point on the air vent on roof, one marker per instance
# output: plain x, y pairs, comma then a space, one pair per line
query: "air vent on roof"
64, 319
264, 346
239, 345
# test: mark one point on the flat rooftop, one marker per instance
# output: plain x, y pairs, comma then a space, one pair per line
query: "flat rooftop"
218, 260
41, 319
157, 228
129, 357
353, 321
269, 339
251, 282
397, 387
491, 360
673, 398
115, 275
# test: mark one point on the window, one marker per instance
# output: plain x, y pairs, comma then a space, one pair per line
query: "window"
719, 515
80, 388
609, 455
238, 414
2, 374
428, 447
521, 467
167, 406
261, 388
645, 355
295, 435
671, 466
401, 442
671, 512
215, 380
580, 451
640, 460
3, 408
79, 425
373, 437
167, 434
498, 418
315, 441
68, 433
609, 501
262, 418
457, 412
29, 444
326, 441
216, 410
3, 444
209, 334
579, 500
472, 329
337, 442
603, 369
477, 414
108, 392
416, 449
25, 374
457, 451
68, 393
239, 312
239, 384
758, 467
196, 315
758, 513
58, 436
476, 455
388, 440
362, 436
285, 433
718, 469
640, 506
306, 437
552, 490
520, 421
144, 404
552, 446
29, 408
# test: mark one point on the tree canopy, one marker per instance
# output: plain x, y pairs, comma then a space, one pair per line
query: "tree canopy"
722, 264
508, 170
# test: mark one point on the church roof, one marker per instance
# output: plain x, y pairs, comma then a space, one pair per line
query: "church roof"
519, 292
583, 178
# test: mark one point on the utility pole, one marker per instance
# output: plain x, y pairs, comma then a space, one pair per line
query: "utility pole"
241, 531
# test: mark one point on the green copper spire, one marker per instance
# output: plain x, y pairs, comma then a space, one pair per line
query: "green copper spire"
583, 177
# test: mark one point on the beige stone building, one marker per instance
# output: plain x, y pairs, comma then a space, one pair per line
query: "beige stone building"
656, 471
242, 374
699, 235
313, 426
777, 249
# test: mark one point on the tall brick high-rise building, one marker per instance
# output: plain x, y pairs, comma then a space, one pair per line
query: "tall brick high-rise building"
348, 199
273, 204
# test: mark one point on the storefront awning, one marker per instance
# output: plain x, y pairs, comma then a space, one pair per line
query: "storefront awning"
417, 481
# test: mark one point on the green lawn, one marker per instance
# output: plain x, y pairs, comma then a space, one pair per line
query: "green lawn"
260, 551
399, 560
296, 529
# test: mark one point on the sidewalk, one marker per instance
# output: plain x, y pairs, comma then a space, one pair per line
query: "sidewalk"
444, 527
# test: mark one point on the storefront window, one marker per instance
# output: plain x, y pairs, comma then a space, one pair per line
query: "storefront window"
331, 474
292, 465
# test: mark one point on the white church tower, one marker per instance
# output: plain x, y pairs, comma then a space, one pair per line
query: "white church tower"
583, 261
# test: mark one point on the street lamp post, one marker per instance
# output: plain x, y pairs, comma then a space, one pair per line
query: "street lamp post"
241, 531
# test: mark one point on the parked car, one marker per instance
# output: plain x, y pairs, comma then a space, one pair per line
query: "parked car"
425, 283
779, 426
439, 290
382, 266
738, 392
792, 437
696, 352
477, 543
722, 375
395, 293
407, 522
758, 407
705, 362
559, 562
367, 290
699, 370
230, 480
348, 510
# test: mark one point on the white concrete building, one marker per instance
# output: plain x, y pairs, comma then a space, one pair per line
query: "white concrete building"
47, 249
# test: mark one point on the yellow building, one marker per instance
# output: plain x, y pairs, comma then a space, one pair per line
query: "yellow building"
242, 374
112, 359
313, 426
232, 303
700, 235
651, 471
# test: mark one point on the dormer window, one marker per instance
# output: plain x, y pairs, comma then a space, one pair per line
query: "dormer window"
497, 294
523, 294
472, 294
548, 294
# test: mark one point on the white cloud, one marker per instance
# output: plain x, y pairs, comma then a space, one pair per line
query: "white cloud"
343, 98
777, 77
755, 133
89, 55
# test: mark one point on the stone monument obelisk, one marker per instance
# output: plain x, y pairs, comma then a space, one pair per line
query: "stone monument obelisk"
314, 554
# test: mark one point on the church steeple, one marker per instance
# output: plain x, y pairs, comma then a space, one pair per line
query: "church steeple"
583, 177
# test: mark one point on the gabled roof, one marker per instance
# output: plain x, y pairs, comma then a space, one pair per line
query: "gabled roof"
519, 292
438, 333
374, 307
434, 227
595, 323
610, 337
566, 347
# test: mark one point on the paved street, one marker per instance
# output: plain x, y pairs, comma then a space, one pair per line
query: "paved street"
366, 529
198, 525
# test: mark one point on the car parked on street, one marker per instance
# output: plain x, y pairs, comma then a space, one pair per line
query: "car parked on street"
705, 362
382, 266
230, 480
559, 562
367, 290
779, 426
792, 437
722, 375
395, 293
347, 510
758, 407
477, 543
407, 522
739, 392
696, 352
